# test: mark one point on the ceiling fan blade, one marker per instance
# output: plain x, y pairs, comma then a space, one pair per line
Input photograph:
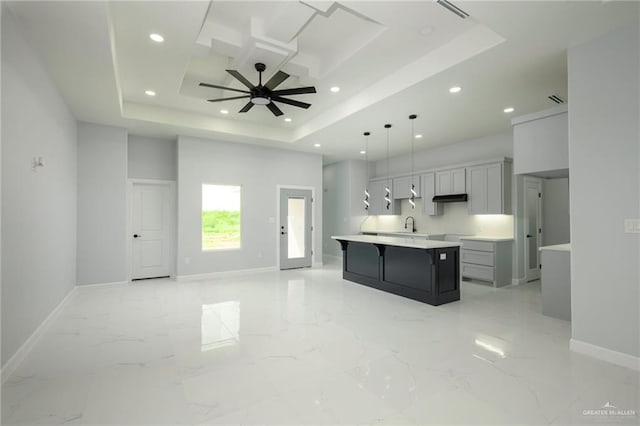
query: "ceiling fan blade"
247, 107
274, 109
241, 78
291, 102
295, 91
277, 78
223, 88
228, 99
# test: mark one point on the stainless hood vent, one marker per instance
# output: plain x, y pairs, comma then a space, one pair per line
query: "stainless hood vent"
451, 198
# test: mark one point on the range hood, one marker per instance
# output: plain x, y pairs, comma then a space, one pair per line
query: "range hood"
451, 198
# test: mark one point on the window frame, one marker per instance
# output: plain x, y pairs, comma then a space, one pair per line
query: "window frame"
241, 238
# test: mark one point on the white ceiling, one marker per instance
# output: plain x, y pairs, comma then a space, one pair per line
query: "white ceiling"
389, 58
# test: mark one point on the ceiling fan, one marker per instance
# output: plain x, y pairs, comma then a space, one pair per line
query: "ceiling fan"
264, 94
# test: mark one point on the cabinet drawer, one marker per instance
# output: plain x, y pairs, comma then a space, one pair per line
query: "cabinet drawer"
479, 272
478, 245
477, 257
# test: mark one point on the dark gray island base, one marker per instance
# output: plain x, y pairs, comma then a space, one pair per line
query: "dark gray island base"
427, 271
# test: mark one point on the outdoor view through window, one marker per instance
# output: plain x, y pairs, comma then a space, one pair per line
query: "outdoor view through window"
220, 217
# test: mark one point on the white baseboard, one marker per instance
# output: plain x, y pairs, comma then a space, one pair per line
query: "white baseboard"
318, 264
604, 354
22, 352
102, 284
518, 281
224, 274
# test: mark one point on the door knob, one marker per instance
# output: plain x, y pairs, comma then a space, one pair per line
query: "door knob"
136, 236
282, 233
529, 236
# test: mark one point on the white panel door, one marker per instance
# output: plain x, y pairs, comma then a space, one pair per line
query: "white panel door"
152, 226
295, 228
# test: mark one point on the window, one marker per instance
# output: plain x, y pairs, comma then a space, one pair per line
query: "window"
220, 217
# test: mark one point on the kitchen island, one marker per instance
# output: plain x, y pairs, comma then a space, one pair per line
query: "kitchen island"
423, 270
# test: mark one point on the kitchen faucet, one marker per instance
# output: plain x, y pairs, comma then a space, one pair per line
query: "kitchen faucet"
413, 223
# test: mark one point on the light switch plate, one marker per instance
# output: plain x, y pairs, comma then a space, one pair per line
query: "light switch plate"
443, 256
632, 226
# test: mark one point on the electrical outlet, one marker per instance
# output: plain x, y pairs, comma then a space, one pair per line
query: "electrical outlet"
632, 226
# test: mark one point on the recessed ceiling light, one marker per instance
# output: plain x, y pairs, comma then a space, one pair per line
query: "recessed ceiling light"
156, 37
335, 89
224, 111
288, 120
427, 31
149, 93
418, 136
317, 145
363, 152
455, 89
509, 110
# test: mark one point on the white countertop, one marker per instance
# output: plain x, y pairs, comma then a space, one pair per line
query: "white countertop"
397, 241
407, 233
487, 238
557, 247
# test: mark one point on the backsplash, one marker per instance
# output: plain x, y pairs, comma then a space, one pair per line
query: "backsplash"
455, 220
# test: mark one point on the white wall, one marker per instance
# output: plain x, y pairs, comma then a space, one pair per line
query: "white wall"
102, 178
343, 212
38, 208
604, 156
488, 147
258, 170
151, 158
555, 211
455, 220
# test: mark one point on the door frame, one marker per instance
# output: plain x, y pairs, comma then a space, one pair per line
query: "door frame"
171, 184
525, 249
313, 221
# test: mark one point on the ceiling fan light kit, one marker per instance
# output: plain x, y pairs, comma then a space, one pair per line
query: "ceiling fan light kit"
264, 94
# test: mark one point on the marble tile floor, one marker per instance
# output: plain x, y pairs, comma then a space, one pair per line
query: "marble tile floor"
306, 347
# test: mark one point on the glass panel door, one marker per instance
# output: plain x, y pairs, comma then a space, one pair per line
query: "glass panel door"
296, 225
295, 228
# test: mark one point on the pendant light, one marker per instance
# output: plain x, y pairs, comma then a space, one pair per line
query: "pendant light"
412, 199
366, 189
387, 188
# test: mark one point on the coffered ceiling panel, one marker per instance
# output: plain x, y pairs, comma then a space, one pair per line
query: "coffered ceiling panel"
389, 59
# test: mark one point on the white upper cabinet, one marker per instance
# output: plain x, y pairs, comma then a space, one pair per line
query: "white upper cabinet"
402, 187
451, 182
489, 189
377, 204
428, 190
541, 143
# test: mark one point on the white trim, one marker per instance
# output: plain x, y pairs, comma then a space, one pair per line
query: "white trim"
518, 281
173, 220
225, 274
318, 264
81, 286
313, 219
17, 358
557, 110
604, 354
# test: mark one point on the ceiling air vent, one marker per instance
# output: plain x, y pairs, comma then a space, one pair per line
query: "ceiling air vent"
453, 8
557, 99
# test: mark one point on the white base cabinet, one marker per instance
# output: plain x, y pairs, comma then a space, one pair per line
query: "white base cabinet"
486, 260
